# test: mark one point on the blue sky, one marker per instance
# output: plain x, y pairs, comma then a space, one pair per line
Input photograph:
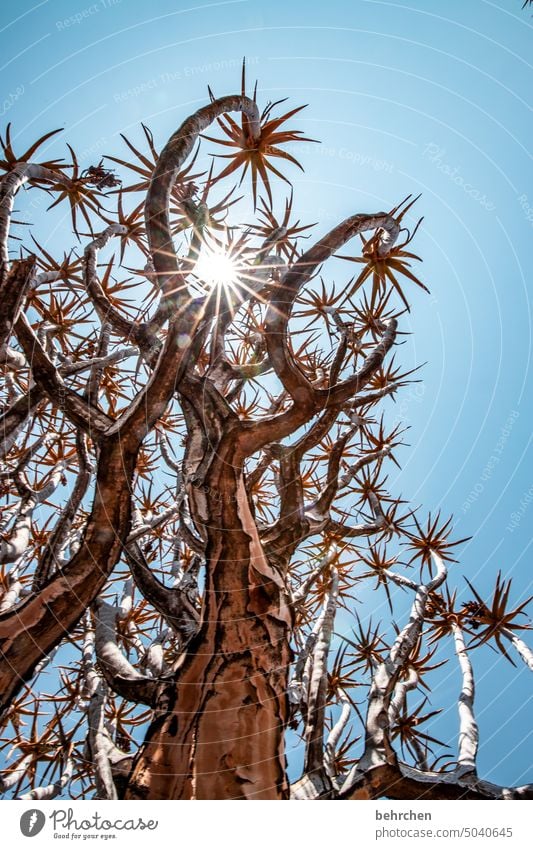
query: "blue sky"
419, 97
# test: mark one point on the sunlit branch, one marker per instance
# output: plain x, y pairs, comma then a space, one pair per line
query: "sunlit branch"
468, 727
54, 789
9, 186
316, 700
98, 742
280, 305
119, 673
336, 733
63, 526
377, 739
521, 647
300, 594
16, 542
82, 413
173, 605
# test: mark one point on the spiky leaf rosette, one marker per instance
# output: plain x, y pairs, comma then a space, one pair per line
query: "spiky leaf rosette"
254, 152
387, 270
161, 460
492, 620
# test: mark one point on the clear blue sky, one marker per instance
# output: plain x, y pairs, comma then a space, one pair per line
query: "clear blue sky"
431, 97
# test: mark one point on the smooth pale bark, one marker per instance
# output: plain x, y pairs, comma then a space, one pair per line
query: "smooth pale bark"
378, 748
118, 672
317, 690
52, 790
336, 733
521, 647
468, 728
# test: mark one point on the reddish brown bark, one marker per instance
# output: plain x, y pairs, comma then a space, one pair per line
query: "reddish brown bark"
13, 288
221, 736
221, 712
33, 628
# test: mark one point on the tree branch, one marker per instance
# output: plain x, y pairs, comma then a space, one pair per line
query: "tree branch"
120, 675
173, 605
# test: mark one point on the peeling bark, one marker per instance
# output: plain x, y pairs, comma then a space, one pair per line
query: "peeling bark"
34, 627
219, 714
222, 736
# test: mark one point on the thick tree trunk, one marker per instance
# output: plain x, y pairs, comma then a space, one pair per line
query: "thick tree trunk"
221, 733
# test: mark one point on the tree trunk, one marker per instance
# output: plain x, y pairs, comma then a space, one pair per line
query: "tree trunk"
220, 735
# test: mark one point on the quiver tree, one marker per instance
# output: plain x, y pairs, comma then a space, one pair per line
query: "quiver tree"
194, 485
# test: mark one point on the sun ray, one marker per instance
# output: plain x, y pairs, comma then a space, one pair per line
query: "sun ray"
215, 267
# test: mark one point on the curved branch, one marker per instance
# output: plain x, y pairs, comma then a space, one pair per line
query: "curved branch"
13, 288
316, 701
121, 676
257, 434
174, 606
521, 647
172, 157
378, 749
352, 385
36, 625
190, 318
9, 186
335, 734
401, 781
468, 731
51, 791
104, 309
81, 412
49, 556
280, 306
15, 417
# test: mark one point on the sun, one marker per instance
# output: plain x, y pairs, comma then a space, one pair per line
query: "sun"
216, 268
